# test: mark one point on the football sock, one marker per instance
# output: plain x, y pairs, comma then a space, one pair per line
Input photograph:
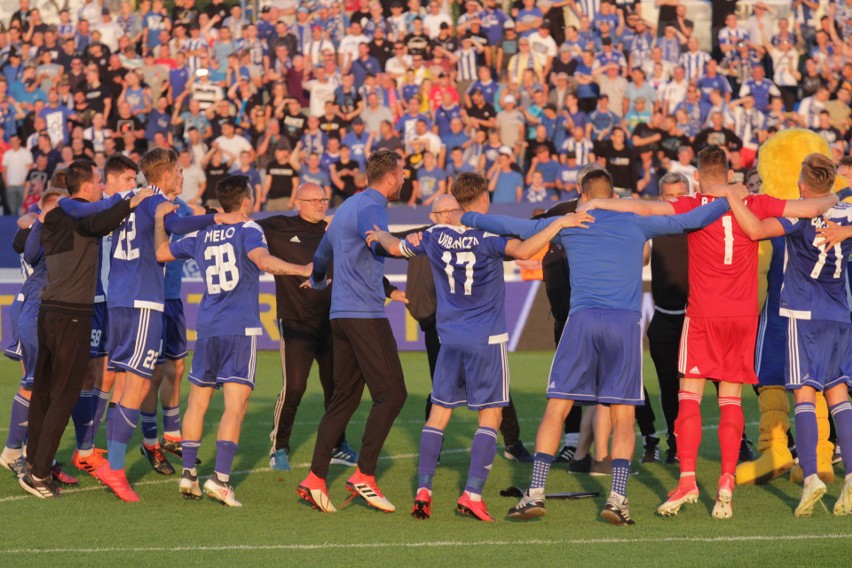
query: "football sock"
806, 437
620, 473
731, 424
482, 452
123, 425
225, 453
571, 439
541, 467
100, 399
149, 428
688, 430
110, 409
190, 452
171, 423
431, 440
842, 414
82, 416
18, 422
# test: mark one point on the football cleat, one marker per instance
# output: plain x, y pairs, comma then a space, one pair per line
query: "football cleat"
517, 453
89, 463
60, 476
617, 510
601, 468
42, 488
812, 493
843, 506
344, 455
723, 509
189, 487
314, 491
682, 494
13, 464
157, 459
476, 509
652, 450
278, 460
582, 465
565, 455
529, 507
175, 447
360, 485
220, 491
422, 508
116, 480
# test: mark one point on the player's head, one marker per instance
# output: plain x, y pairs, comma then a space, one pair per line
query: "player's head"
57, 181
235, 194
597, 184
817, 177
384, 173
713, 167
83, 180
471, 191
119, 174
672, 185
51, 196
159, 166
590, 167
311, 202
443, 208
753, 181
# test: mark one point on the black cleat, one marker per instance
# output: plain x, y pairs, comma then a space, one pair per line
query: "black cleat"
157, 460
517, 452
42, 488
565, 455
175, 448
652, 450
582, 465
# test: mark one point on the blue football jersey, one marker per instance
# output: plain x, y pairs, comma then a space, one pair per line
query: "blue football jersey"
814, 277
467, 265
135, 276
230, 304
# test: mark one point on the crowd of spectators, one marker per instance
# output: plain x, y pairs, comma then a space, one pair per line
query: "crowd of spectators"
525, 93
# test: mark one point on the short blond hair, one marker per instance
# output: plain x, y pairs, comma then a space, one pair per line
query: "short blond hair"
156, 162
818, 173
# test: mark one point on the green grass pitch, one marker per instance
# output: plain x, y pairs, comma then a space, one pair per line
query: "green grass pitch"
89, 526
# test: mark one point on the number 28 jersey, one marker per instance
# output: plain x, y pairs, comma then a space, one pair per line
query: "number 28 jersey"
723, 260
230, 304
467, 265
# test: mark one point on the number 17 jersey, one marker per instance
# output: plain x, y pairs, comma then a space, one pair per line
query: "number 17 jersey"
467, 265
723, 260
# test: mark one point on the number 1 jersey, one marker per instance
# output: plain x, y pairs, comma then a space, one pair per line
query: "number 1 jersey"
467, 265
723, 260
230, 304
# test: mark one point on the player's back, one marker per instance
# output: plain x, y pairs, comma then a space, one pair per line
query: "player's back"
814, 283
467, 266
135, 276
230, 304
723, 260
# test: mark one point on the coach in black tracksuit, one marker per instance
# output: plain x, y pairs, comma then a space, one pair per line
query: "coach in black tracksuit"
65, 317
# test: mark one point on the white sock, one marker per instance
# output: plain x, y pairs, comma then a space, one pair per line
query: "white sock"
475, 497
85, 453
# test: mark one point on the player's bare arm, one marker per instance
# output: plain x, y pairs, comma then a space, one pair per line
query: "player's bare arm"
833, 233
140, 196
385, 240
754, 227
161, 238
277, 267
810, 207
528, 248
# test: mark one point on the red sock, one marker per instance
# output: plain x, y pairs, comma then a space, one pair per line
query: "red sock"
731, 423
688, 430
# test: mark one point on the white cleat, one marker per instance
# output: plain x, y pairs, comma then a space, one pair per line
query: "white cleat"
221, 492
723, 509
844, 502
189, 487
812, 491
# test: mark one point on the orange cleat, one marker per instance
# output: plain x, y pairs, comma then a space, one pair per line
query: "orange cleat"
360, 485
682, 494
89, 463
314, 491
117, 481
476, 509
422, 508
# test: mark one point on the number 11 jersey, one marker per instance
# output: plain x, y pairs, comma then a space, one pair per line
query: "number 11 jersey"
467, 265
723, 260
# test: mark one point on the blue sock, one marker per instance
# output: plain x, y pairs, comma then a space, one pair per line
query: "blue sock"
100, 400
541, 467
124, 422
149, 427
82, 416
482, 452
18, 422
110, 409
171, 420
842, 414
190, 453
431, 440
806, 437
225, 452
620, 473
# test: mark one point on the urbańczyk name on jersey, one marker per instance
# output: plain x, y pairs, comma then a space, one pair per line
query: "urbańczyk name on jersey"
448, 242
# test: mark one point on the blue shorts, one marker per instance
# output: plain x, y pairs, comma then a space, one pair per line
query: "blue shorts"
476, 376
174, 332
599, 358
224, 359
100, 323
134, 340
819, 354
28, 337
771, 344
13, 351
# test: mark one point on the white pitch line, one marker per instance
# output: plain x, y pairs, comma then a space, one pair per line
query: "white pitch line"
445, 544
